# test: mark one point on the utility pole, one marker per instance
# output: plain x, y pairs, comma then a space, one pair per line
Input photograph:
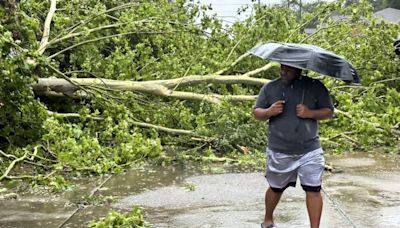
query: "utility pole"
300, 8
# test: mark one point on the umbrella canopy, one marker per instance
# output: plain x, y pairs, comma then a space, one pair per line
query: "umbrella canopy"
308, 57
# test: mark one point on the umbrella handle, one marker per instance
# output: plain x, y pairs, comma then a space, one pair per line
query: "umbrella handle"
303, 91
296, 129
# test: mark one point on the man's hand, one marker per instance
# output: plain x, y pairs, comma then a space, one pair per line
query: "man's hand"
276, 108
265, 113
303, 111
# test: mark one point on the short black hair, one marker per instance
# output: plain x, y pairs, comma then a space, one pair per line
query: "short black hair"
298, 69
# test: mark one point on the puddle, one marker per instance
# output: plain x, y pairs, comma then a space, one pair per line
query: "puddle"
367, 190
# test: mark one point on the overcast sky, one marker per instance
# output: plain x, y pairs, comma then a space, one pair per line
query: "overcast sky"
227, 9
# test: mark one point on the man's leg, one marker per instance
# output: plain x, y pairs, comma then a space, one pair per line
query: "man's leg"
310, 174
314, 207
281, 173
271, 200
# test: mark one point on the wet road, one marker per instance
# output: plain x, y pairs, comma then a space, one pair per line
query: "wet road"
363, 191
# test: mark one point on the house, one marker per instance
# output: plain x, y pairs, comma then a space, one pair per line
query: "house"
389, 14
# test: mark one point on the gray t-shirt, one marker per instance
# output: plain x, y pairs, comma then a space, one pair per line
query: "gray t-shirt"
288, 133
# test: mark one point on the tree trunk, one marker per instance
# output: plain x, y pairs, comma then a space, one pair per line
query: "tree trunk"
165, 88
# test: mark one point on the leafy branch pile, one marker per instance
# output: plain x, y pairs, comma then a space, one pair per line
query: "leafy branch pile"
114, 219
94, 86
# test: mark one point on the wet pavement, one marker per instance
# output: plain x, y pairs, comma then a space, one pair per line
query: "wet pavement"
223, 200
362, 191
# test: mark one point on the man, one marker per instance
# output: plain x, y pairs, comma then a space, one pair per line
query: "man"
293, 104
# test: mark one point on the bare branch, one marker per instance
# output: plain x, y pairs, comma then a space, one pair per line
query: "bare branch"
46, 29
261, 69
81, 23
136, 123
100, 38
7, 155
72, 35
247, 32
223, 79
86, 32
233, 64
12, 164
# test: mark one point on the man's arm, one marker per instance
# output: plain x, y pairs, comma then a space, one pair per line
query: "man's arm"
266, 113
324, 108
317, 114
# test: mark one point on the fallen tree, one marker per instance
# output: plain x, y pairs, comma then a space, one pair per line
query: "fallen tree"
98, 85
165, 88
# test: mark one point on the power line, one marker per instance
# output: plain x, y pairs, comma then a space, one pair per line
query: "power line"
338, 208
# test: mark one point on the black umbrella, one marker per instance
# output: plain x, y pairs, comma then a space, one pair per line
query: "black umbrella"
308, 57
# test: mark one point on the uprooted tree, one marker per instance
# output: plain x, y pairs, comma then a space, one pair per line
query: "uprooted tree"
97, 85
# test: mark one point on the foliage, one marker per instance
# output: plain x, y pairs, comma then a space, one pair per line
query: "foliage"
21, 115
55, 184
160, 40
98, 200
133, 219
100, 148
190, 187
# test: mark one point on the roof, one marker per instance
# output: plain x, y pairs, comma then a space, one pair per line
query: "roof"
338, 17
389, 14
309, 30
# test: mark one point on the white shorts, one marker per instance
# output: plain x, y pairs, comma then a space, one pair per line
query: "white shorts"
283, 169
